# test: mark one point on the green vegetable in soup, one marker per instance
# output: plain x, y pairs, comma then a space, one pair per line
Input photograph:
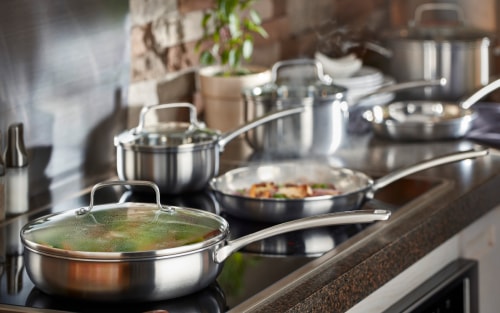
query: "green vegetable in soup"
114, 232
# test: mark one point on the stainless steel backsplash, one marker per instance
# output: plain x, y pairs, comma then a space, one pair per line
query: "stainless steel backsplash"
63, 71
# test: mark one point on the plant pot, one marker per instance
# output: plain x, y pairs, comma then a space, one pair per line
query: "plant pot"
222, 96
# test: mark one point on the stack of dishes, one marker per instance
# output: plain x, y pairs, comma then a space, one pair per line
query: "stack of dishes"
360, 80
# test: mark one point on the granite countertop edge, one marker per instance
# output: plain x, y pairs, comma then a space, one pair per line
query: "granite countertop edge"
341, 282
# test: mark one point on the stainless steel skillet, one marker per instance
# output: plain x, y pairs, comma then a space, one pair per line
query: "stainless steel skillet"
423, 120
356, 187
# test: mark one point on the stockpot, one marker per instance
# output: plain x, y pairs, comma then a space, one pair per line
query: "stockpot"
178, 156
460, 53
420, 120
141, 251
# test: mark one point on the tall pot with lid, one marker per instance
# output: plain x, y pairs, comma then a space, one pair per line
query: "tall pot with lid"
319, 130
460, 53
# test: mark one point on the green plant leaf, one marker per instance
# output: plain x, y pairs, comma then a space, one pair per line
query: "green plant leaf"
229, 31
206, 58
247, 49
234, 25
255, 17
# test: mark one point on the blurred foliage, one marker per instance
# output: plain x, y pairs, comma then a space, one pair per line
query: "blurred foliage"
228, 35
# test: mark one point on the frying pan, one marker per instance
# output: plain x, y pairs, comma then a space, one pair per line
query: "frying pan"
426, 120
355, 187
93, 252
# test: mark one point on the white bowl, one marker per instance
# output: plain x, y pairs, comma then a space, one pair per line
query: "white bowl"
340, 67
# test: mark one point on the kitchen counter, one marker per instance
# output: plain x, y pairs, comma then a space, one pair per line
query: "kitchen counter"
350, 272
446, 199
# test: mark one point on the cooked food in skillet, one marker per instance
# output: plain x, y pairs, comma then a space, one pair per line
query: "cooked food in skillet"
289, 190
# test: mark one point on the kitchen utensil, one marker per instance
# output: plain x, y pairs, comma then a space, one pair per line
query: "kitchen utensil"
177, 156
321, 128
64, 252
426, 120
456, 51
312, 242
355, 187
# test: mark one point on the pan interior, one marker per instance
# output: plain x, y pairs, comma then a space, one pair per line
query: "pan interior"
420, 112
344, 180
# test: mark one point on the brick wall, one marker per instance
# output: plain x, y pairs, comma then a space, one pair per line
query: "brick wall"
164, 32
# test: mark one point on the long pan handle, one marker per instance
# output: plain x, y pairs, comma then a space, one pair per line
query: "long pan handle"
449, 158
349, 217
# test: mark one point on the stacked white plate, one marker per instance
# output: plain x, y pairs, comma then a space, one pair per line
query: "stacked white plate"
365, 81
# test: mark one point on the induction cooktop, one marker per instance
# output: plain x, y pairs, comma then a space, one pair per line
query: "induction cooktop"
245, 274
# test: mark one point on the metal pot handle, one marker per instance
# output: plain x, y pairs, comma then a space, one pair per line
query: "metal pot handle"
193, 120
479, 94
340, 218
225, 138
85, 210
419, 11
401, 86
449, 158
300, 62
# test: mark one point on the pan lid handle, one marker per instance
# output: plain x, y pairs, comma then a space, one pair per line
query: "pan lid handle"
85, 210
305, 62
142, 117
419, 11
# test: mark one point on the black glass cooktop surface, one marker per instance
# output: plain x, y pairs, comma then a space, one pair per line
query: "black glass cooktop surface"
245, 273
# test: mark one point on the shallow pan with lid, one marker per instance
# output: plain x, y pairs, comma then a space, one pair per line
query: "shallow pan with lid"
141, 251
177, 156
355, 187
426, 120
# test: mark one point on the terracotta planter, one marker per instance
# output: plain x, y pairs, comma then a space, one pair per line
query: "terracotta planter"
222, 96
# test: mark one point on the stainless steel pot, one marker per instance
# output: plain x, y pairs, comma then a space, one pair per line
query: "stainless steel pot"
320, 129
426, 120
461, 54
355, 187
132, 273
178, 156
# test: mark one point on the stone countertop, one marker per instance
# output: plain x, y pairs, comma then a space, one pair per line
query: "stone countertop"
347, 274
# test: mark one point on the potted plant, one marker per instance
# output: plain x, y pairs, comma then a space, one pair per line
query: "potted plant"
226, 49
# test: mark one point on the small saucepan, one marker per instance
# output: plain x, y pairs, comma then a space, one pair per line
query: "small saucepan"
142, 251
426, 120
178, 156
354, 187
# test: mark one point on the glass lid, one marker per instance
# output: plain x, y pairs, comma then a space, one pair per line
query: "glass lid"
125, 228
296, 84
167, 134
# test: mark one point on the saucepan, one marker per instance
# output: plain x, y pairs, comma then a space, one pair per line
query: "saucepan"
142, 251
426, 120
321, 129
178, 156
353, 188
